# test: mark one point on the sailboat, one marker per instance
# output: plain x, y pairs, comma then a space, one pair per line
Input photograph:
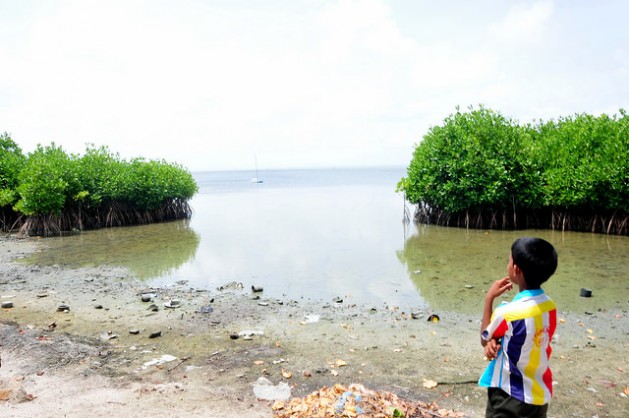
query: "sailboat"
256, 179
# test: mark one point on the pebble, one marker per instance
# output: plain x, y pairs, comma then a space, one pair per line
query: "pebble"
155, 334
63, 308
146, 298
98, 307
153, 308
255, 288
134, 331
6, 305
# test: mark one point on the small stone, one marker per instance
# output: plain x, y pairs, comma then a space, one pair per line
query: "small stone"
6, 305
134, 331
98, 307
234, 336
172, 304
63, 308
155, 334
255, 288
146, 298
153, 308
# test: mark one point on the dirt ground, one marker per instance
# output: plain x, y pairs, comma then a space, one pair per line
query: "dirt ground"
110, 354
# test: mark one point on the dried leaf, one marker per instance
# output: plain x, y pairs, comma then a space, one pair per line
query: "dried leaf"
340, 363
5, 394
626, 391
258, 362
286, 374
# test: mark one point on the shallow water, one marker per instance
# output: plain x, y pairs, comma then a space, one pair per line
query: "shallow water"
321, 234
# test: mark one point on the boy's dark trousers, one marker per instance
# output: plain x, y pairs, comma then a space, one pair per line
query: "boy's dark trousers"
501, 405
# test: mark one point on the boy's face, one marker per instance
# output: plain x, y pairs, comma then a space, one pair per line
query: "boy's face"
515, 274
511, 269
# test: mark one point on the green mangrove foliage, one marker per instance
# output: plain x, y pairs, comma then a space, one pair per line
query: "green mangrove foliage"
483, 170
49, 191
11, 162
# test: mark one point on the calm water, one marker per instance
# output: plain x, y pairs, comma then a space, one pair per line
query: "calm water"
319, 234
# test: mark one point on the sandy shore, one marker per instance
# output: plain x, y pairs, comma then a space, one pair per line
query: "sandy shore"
84, 362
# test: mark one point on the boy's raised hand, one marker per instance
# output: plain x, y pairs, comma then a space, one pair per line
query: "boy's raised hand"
499, 287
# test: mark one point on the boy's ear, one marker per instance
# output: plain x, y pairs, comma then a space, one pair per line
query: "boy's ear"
517, 270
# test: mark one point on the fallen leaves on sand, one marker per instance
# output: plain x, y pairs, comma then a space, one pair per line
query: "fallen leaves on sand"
5, 394
626, 391
356, 401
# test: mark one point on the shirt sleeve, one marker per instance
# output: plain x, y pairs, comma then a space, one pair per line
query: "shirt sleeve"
496, 328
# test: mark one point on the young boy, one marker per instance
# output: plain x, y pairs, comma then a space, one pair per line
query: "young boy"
517, 335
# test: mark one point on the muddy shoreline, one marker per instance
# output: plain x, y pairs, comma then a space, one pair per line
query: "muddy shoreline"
85, 362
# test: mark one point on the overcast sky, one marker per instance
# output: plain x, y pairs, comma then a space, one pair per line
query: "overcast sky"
298, 83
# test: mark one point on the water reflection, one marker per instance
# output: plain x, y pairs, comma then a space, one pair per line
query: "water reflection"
320, 234
452, 267
147, 250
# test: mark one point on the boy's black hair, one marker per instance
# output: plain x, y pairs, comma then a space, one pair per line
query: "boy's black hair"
536, 258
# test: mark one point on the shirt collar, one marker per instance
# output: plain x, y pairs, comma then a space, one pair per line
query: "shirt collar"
529, 293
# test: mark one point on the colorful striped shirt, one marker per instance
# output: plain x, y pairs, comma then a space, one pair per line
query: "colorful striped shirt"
526, 326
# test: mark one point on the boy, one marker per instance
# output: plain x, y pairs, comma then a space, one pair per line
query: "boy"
517, 335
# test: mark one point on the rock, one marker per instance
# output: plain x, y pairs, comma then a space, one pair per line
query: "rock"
234, 336
416, 315
146, 298
153, 308
63, 308
134, 331
6, 305
98, 307
586, 293
255, 288
205, 309
155, 334
172, 304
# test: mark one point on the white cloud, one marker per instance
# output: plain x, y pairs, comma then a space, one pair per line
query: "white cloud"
524, 23
312, 83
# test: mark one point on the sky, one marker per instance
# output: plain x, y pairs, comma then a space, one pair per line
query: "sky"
230, 84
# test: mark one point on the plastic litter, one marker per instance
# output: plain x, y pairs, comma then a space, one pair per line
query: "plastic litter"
264, 389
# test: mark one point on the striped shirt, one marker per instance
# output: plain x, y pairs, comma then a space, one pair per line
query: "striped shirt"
526, 326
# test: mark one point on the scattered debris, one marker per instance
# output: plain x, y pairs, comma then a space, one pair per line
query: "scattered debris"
433, 318
264, 389
159, 361
355, 400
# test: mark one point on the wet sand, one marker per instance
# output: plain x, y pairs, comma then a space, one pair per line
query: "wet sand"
85, 362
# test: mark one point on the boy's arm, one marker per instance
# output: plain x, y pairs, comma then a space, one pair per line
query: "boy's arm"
497, 288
